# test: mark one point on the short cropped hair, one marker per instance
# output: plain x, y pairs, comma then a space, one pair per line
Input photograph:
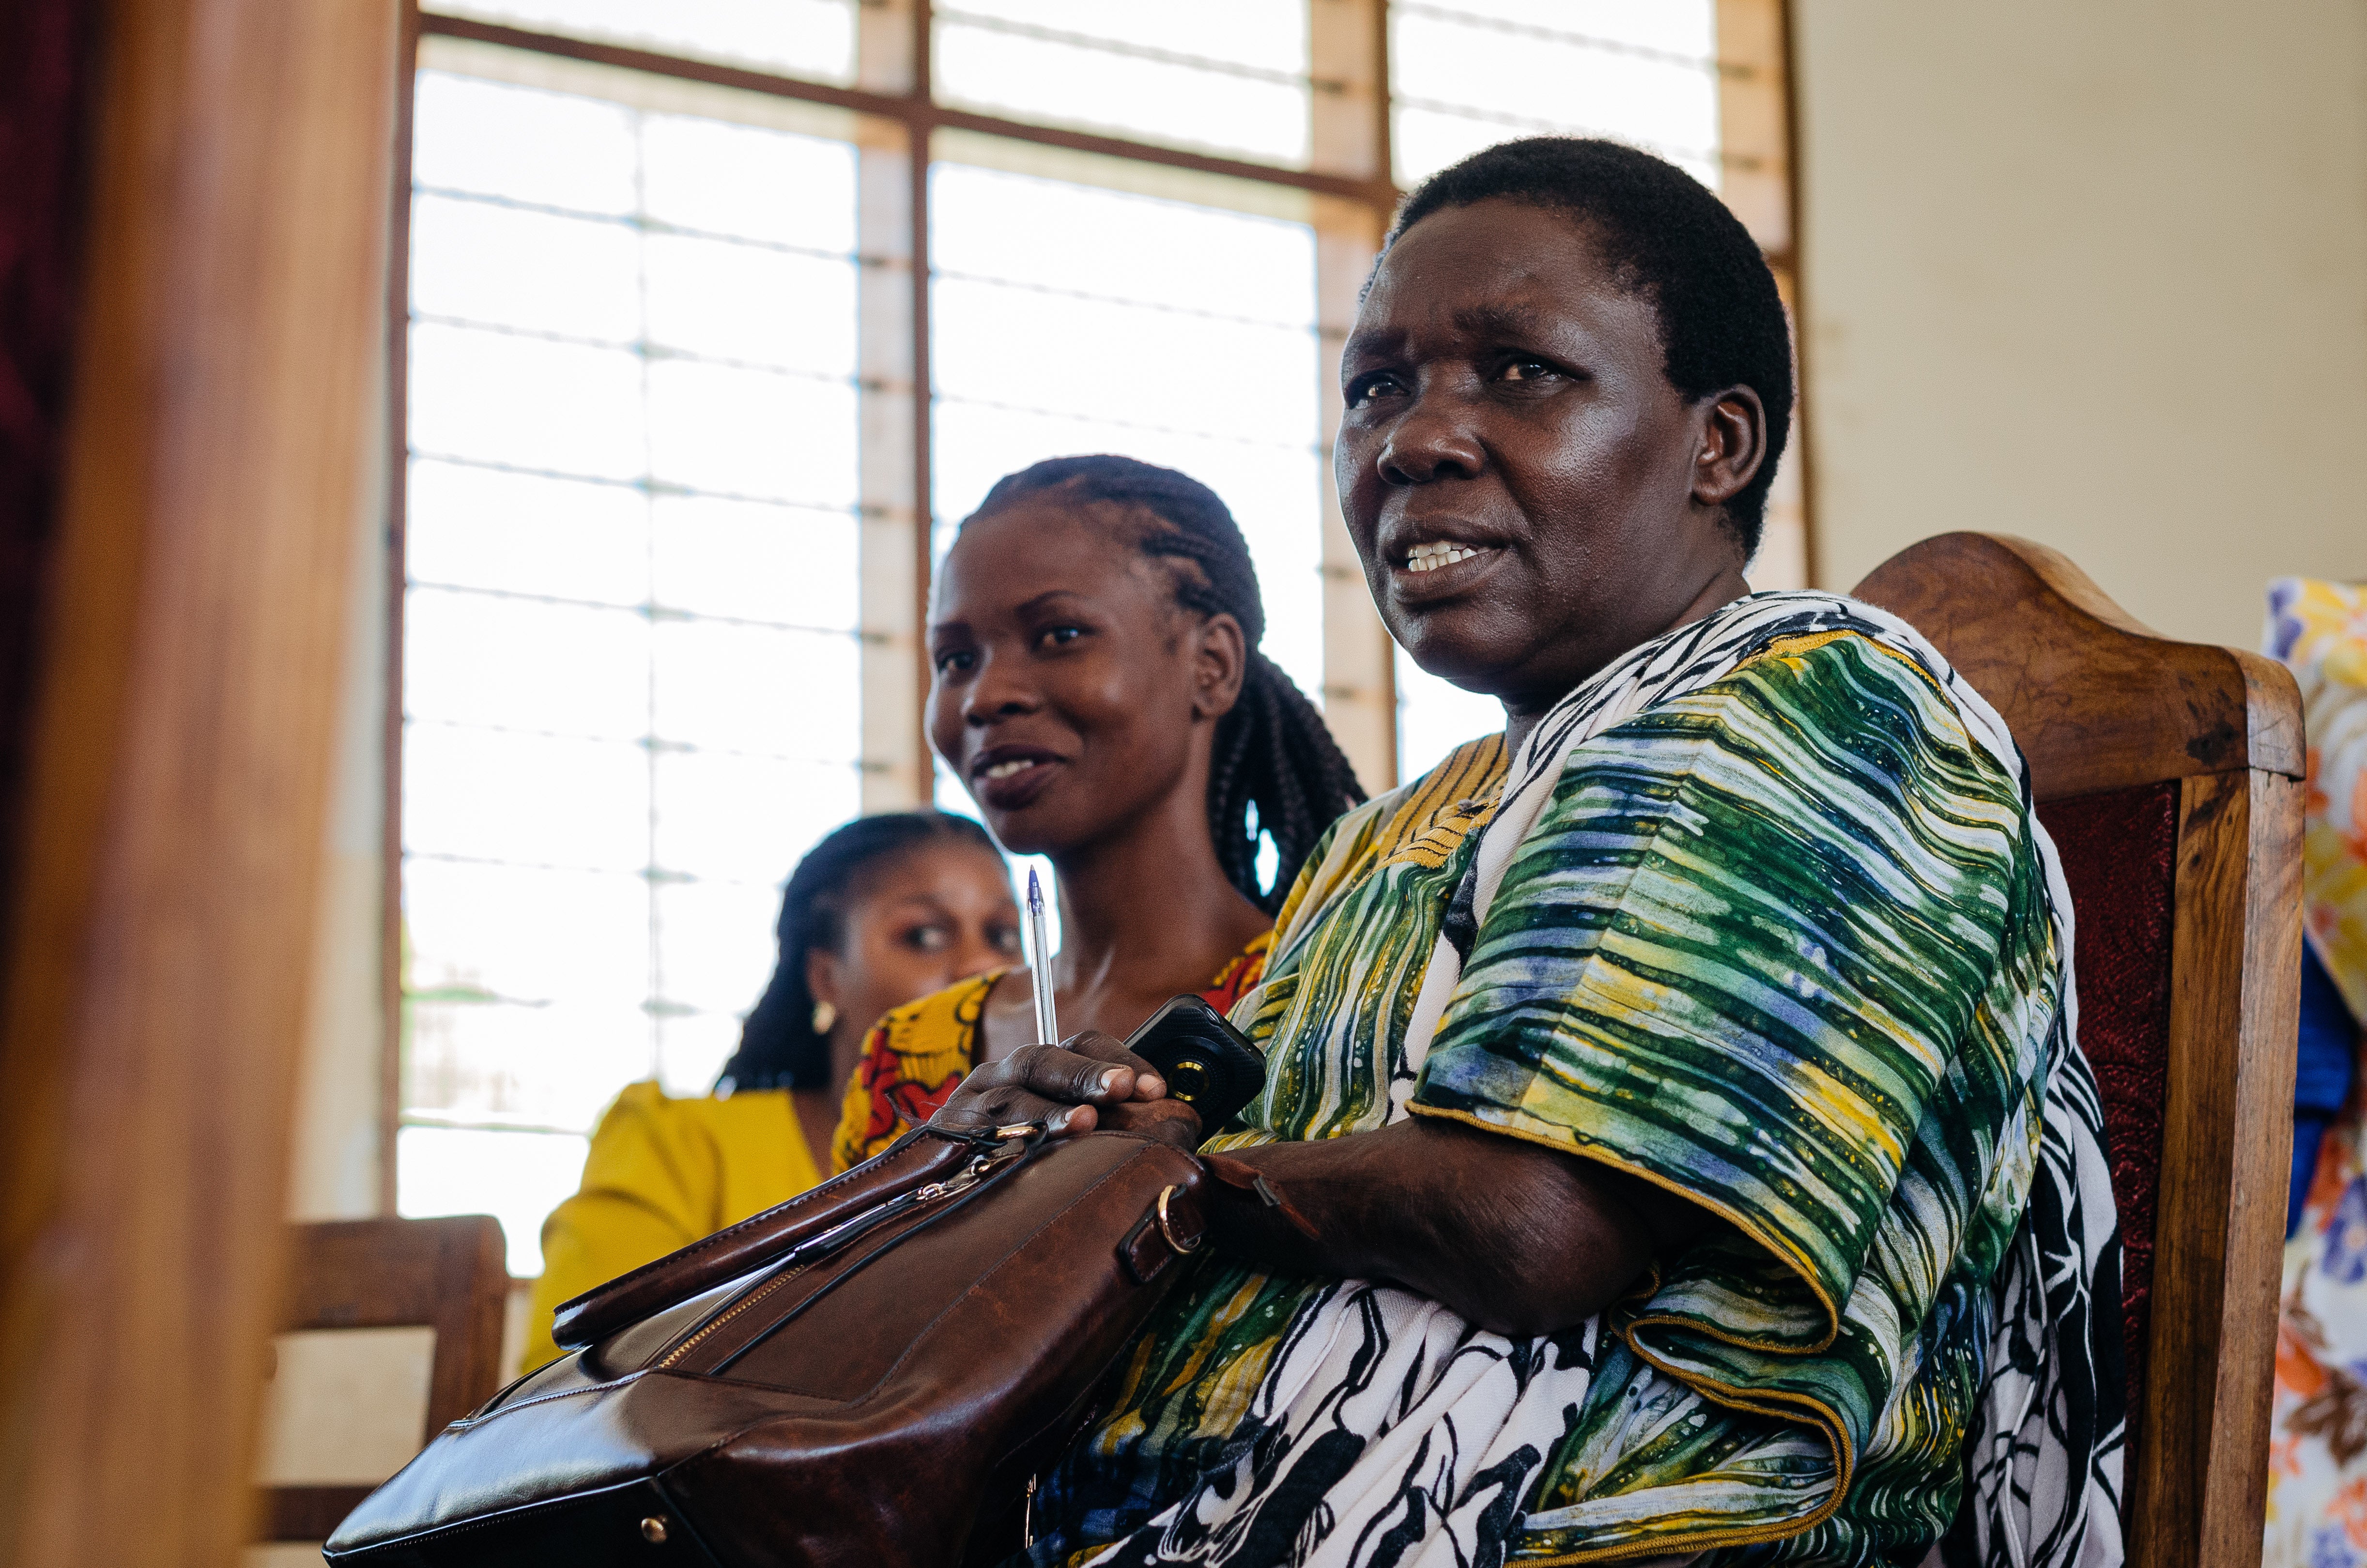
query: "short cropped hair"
1667, 237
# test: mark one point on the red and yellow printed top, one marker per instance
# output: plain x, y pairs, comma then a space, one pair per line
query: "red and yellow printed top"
916, 1054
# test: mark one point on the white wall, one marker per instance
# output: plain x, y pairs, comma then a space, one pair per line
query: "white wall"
2092, 274
335, 1174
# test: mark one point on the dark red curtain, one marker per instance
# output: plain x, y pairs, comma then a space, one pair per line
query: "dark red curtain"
2119, 857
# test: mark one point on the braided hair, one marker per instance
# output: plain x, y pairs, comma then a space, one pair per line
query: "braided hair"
778, 1046
1276, 771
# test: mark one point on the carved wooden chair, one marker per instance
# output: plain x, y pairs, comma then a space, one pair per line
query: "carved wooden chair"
2169, 775
450, 1275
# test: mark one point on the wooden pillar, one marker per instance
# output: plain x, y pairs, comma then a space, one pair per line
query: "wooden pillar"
180, 750
1348, 50
890, 294
1754, 134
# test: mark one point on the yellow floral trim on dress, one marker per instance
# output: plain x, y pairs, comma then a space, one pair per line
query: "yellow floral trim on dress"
916, 1054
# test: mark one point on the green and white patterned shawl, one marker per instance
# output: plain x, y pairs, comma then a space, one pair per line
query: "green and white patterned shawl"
1761, 914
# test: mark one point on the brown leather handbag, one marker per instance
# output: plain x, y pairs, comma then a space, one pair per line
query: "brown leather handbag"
871, 1373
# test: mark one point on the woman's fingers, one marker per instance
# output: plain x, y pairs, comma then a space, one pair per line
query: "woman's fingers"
1144, 1084
1071, 1077
975, 1106
1059, 1086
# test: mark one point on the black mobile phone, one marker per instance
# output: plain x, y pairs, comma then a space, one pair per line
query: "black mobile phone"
1208, 1064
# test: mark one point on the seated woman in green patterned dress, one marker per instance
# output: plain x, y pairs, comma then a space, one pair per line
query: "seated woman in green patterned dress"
1681, 1087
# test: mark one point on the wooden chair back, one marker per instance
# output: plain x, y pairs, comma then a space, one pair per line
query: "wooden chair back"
449, 1275
2169, 774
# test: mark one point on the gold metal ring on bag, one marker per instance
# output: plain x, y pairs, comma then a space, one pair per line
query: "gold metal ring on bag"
1167, 1228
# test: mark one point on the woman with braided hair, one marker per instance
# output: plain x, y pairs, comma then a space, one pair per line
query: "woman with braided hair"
1099, 692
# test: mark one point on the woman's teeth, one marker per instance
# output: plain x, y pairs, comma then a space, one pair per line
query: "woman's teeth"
1005, 770
1431, 557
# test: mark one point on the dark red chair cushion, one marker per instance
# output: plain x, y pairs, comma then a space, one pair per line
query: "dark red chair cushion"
2120, 854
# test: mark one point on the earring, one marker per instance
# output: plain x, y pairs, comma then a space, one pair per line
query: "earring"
824, 1014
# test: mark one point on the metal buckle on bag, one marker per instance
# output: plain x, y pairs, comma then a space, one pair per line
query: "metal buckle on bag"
1168, 1230
1016, 1143
961, 1180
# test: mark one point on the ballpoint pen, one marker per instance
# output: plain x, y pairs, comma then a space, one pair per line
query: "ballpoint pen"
1047, 1023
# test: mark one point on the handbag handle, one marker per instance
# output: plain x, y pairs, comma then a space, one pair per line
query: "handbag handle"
926, 1154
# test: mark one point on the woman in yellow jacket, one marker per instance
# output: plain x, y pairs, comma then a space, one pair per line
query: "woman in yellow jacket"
884, 909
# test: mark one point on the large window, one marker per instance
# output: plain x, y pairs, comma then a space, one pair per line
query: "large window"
724, 314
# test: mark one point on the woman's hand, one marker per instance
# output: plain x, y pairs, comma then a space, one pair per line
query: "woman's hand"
1089, 1080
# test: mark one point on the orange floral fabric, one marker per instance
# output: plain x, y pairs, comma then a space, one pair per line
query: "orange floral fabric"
2318, 1435
916, 1054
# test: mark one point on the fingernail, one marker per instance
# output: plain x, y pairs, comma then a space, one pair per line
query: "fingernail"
1150, 1086
1109, 1080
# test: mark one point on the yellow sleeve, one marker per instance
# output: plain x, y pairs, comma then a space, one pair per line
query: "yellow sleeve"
661, 1173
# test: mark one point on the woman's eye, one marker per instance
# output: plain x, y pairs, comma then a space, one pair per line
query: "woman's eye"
1006, 940
1524, 369
1363, 389
955, 659
928, 939
1059, 636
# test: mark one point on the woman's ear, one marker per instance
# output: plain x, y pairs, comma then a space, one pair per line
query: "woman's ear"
823, 980
1220, 658
1733, 444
